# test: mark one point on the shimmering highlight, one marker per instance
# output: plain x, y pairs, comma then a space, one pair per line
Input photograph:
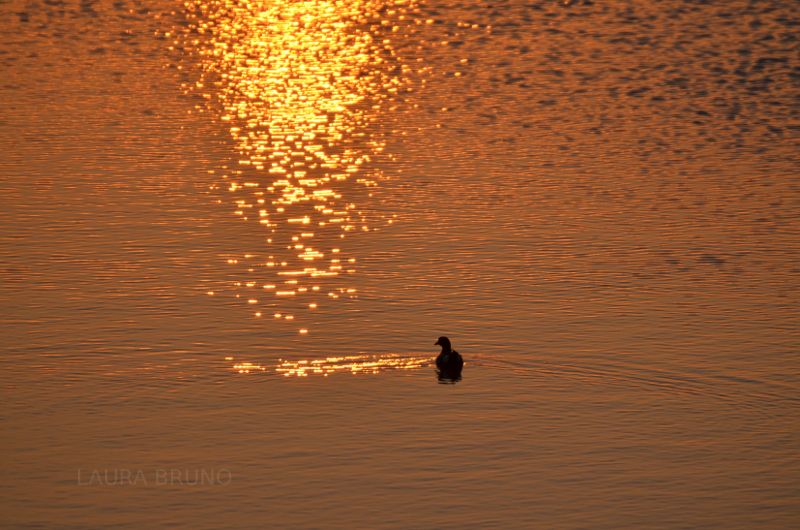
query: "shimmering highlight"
298, 84
354, 364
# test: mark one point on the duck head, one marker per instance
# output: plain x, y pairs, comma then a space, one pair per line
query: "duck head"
444, 342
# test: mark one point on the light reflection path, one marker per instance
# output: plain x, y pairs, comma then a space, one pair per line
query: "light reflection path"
354, 364
299, 86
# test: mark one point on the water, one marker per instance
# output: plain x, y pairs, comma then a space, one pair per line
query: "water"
597, 203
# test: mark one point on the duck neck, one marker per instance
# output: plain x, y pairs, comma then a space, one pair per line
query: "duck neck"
446, 350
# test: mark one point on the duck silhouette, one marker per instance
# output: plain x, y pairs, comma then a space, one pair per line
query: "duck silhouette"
449, 362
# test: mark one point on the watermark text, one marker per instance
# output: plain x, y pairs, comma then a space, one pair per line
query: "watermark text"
154, 477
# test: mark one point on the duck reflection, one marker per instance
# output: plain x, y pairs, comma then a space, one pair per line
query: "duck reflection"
448, 378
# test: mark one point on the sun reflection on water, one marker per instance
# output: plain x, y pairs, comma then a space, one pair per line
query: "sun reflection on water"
300, 86
248, 367
354, 364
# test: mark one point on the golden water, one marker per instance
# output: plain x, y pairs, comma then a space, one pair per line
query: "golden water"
232, 232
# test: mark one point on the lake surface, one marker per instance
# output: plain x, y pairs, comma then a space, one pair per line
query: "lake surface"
232, 232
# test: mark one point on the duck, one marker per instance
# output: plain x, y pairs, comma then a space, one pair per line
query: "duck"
449, 361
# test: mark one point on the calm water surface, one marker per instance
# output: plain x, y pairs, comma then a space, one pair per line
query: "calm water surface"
231, 233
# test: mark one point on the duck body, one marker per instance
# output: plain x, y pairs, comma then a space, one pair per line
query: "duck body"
449, 361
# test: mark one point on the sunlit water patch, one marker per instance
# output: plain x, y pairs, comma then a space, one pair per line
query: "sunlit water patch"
350, 364
300, 87
354, 364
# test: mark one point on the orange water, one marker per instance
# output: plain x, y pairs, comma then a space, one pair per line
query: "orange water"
232, 232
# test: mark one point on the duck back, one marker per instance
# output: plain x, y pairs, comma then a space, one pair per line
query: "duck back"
451, 361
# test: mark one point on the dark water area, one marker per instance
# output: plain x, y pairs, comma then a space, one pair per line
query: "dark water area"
232, 232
